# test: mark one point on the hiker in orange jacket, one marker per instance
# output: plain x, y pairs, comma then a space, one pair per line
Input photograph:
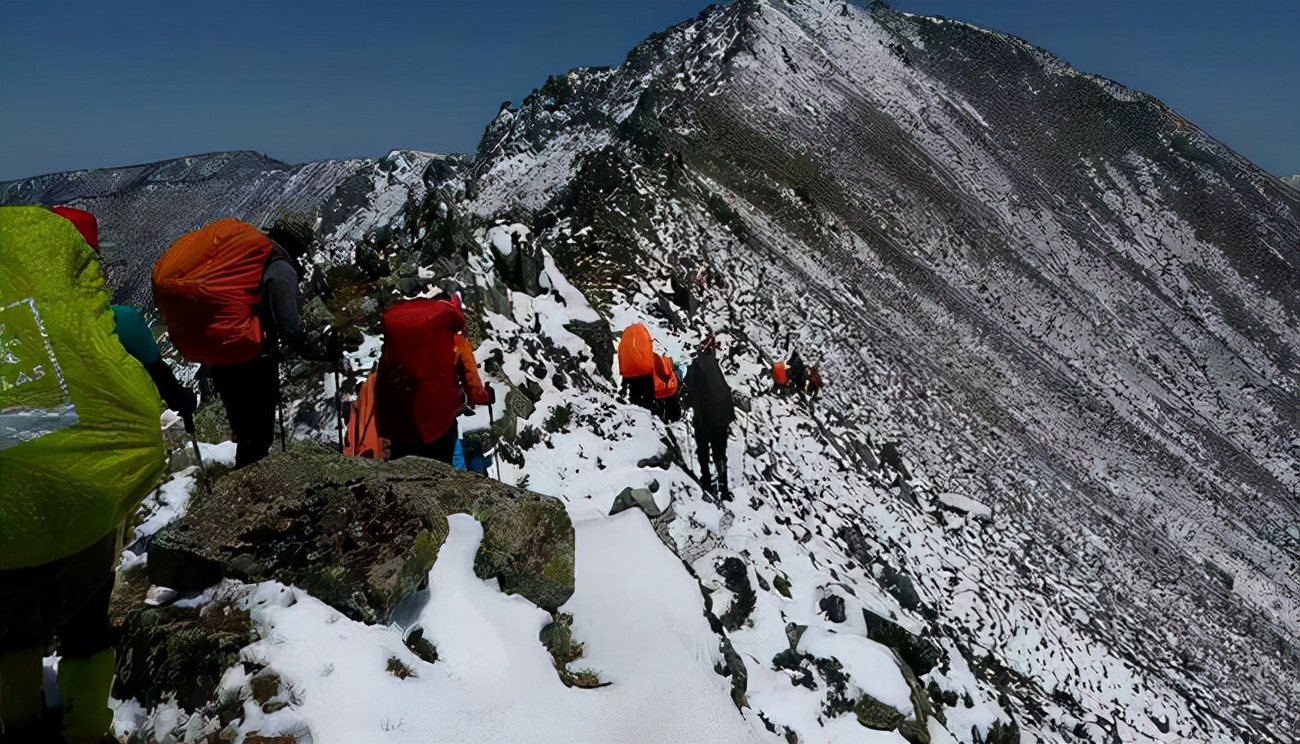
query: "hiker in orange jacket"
427, 376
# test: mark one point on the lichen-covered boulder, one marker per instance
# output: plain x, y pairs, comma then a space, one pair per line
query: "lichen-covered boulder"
877, 715
361, 535
176, 650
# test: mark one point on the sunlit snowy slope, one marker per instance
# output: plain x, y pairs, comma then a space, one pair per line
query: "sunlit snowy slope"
1076, 315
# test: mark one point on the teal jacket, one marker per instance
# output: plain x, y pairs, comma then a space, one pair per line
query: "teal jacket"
134, 333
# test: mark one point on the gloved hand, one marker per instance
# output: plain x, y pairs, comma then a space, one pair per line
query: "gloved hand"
492, 394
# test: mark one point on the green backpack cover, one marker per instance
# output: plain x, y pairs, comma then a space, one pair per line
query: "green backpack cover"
80, 444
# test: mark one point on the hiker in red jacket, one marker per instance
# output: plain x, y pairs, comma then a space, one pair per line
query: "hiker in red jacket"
423, 382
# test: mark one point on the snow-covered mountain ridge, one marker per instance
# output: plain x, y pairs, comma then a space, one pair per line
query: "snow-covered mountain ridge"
1062, 300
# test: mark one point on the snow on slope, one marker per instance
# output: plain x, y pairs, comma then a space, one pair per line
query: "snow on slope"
1068, 311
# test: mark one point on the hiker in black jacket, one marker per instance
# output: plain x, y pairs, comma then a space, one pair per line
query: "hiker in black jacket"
797, 371
707, 391
251, 390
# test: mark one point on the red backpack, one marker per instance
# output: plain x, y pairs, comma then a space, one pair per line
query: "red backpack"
207, 285
417, 394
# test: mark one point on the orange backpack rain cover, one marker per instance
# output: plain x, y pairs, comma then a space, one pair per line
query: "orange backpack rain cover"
778, 371
665, 378
363, 436
636, 354
207, 286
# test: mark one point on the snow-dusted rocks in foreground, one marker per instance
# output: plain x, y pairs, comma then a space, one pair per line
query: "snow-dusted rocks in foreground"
636, 609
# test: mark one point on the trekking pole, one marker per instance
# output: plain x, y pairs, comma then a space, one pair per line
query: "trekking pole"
279, 406
338, 401
496, 448
194, 438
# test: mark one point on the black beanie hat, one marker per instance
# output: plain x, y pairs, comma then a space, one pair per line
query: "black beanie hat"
293, 234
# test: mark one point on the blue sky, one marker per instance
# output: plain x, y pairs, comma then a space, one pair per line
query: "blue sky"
117, 82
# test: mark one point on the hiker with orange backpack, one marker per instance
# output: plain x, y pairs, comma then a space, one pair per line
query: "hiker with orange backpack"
229, 295
667, 405
780, 378
426, 378
707, 391
636, 365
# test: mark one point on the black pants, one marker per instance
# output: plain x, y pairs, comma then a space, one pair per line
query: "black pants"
67, 598
250, 391
713, 440
641, 391
443, 448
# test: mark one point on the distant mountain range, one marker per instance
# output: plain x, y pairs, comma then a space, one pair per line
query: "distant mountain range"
1059, 297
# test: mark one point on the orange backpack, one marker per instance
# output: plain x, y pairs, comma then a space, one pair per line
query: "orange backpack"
207, 286
636, 355
665, 378
363, 437
778, 371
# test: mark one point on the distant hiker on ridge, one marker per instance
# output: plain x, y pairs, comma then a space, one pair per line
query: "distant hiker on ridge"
202, 285
707, 391
814, 380
797, 372
423, 380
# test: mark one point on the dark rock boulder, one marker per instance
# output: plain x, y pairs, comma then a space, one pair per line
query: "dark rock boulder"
600, 340
901, 587
877, 715
832, 606
173, 650
920, 653
733, 666
638, 498
735, 577
361, 535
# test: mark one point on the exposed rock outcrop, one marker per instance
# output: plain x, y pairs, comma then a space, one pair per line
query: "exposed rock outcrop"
361, 535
